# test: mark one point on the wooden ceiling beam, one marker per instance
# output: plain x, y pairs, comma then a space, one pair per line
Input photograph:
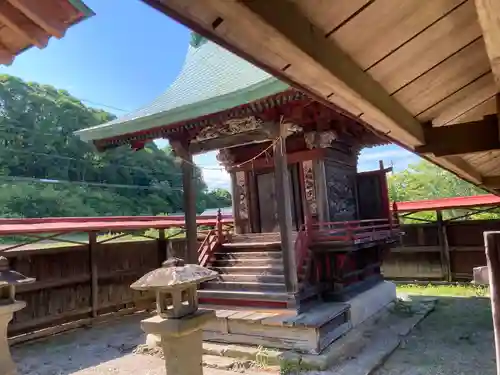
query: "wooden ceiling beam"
22, 25
491, 182
288, 32
463, 138
488, 12
42, 13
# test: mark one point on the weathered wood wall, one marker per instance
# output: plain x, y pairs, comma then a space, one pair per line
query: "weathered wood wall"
421, 255
64, 284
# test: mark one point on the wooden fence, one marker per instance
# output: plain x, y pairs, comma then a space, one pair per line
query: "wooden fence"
432, 251
81, 283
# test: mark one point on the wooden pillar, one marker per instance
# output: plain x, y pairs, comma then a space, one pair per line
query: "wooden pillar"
94, 277
444, 246
235, 203
189, 196
492, 245
190, 209
285, 211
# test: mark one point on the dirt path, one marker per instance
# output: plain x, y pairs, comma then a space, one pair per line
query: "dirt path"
456, 339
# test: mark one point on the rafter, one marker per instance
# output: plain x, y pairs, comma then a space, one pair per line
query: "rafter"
22, 25
488, 12
43, 14
463, 138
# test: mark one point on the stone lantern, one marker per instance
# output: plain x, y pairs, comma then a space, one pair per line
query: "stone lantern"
178, 321
8, 306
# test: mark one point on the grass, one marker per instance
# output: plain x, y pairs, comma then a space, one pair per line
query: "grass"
450, 290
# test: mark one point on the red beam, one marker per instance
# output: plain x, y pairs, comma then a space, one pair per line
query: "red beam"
449, 203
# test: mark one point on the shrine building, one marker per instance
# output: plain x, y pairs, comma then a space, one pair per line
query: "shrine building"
308, 227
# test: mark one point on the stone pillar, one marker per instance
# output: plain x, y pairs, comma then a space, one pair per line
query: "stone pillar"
181, 341
7, 365
285, 210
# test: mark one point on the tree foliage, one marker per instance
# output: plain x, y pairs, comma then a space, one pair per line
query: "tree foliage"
45, 170
427, 181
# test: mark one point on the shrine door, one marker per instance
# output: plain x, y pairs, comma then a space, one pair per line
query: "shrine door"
267, 197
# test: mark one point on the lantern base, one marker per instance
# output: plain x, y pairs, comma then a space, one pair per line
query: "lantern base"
181, 340
7, 365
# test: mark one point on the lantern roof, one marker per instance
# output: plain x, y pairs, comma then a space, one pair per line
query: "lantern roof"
172, 277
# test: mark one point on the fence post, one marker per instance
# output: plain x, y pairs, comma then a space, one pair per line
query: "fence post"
492, 248
94, 277
162, 246
218, 225
445, 248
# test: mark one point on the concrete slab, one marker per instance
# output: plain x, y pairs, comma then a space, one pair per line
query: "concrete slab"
371, 301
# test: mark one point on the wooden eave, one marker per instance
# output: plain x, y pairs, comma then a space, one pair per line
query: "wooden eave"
400, 67
290, 105
28, 23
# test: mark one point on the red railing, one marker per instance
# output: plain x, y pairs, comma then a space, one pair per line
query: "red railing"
357, 231
212, 241
302, 243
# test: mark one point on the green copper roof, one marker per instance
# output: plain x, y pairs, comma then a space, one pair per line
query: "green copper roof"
211, 80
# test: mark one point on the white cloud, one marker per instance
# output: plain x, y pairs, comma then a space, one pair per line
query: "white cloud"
381, 155
215, 178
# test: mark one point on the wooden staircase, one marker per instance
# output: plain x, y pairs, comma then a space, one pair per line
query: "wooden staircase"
251, 273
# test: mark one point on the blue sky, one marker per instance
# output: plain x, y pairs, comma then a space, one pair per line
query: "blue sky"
124, 57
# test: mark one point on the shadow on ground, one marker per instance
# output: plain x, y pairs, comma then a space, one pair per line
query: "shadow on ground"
456, 339
80, 349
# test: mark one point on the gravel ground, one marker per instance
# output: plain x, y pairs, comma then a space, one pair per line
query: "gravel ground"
456, 339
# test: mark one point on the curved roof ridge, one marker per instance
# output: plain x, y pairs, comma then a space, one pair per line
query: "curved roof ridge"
209, 72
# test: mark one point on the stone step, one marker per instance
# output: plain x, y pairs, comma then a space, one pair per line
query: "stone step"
254, 270
245, 286
256, 237
252, 246
249, 254
242, 278
243, 296
247, 262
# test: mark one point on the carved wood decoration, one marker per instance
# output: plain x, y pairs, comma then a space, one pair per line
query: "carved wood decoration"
242, 204
322, 139
225, 158
228, 128
310, 187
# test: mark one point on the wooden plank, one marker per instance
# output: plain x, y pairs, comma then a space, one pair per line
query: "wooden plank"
445, 79
487, 107
386, 25
445, 248
22, 25
285, 332
488, 12
436, 43
224, 313
327, 15
455, 108
256, 317
43, 14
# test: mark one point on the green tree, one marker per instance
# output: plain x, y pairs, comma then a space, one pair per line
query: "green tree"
37, 143
427, 181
